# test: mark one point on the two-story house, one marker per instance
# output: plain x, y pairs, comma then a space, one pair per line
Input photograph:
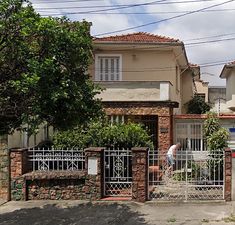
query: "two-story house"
147, 79
228, 73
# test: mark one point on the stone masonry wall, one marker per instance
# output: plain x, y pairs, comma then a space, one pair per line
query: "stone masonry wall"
164, 113
137, 110
164, 133
228, 175
54, 185
140, 174
4, 172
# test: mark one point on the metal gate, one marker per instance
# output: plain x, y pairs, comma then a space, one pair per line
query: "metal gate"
195, 176
117, 173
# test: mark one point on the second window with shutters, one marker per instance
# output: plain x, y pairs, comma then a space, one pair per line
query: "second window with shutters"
108, 67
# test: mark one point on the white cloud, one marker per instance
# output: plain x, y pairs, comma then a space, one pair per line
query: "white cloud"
191, 26
201, 25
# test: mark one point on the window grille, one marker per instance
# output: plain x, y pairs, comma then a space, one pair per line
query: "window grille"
190, 135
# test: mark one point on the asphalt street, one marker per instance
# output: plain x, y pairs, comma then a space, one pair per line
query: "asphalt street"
111, 213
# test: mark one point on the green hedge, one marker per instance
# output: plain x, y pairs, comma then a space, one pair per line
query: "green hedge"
103, 134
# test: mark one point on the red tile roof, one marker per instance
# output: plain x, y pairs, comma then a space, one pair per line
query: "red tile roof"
231, 63
193, 65
137, 38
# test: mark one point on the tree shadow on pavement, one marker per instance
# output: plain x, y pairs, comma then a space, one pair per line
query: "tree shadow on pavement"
83, 214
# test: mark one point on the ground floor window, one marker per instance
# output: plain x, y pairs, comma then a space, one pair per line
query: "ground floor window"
115, 119
150, 123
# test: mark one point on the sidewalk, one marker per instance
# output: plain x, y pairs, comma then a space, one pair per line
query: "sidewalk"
149, 213
217, 213
2, 202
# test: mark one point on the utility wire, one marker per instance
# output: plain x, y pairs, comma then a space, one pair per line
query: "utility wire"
189, 44
65, 2
113, 8
153, 69
134, 13
207, 37
125, 5
164, 20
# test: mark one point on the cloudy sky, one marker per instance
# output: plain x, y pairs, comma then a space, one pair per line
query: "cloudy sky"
205, 26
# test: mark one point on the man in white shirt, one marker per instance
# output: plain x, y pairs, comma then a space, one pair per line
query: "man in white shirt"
171, 153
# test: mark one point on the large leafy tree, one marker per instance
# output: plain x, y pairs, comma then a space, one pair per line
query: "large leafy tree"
43, 70
197, 105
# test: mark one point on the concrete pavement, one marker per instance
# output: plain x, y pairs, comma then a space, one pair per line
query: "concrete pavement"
2, 202
120, 213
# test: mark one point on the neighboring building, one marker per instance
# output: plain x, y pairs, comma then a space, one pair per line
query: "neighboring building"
189, 128
217, 99
147, 79
228, 73
19, 139
202, 89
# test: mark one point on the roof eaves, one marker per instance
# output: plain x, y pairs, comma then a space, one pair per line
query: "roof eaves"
225, 69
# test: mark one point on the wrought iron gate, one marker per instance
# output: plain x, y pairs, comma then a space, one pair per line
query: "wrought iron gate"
195, 176
117, 173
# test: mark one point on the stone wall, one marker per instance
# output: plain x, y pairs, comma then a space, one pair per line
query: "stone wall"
140, 174
67, 185
4, 172
165, 133
228, 175
54, 185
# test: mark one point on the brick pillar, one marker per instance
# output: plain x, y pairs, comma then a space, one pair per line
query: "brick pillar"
140, 174
18, 166
94, 182
4, 172
165, 132
228, 174
19, 162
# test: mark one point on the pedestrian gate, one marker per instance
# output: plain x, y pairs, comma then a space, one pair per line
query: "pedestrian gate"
117, 173
195, 176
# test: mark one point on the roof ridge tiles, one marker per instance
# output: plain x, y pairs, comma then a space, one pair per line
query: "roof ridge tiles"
138, 37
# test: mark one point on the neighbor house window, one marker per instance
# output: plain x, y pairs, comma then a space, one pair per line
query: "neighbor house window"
190, 135
202, 96
108, 67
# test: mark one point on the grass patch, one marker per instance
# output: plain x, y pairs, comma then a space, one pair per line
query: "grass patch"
229, 219
171, 220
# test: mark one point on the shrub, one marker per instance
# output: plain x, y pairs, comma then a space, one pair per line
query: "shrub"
197, 105
103, 134
216, 139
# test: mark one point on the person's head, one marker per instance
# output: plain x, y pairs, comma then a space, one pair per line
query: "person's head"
178, 146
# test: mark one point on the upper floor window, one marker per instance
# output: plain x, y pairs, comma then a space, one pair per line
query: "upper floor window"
108, 67
202, 96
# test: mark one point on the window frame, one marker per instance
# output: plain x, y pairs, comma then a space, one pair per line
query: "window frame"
192, 138
97, 70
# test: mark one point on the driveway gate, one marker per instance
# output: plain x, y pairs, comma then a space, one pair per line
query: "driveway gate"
195, 176
117, 173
